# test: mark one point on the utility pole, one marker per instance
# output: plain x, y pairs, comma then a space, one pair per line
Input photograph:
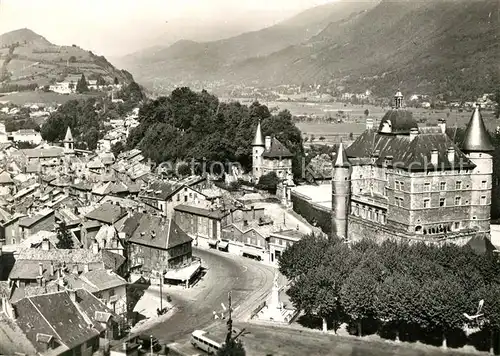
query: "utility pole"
151, 343
161, 295
229, 320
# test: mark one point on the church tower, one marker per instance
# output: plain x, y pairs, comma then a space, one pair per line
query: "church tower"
68, 141
341, 193
258, 148
478, 148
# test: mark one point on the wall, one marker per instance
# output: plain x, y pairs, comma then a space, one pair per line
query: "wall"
359, 229
316, 215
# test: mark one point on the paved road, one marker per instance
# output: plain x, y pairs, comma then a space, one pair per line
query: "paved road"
249, 281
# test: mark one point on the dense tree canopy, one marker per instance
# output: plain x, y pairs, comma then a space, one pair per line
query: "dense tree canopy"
398, 285
188, 125
81, 85
81, 117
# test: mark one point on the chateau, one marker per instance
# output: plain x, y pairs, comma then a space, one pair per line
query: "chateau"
402, 180
270, 156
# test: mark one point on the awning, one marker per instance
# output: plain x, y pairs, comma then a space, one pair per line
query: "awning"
252, 251
183, 274
212, 242
223, 244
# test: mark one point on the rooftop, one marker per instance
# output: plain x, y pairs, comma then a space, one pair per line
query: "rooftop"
107, 213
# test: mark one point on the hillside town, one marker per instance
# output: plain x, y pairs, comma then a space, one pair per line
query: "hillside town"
322, 179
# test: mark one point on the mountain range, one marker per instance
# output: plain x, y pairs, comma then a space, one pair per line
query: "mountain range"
27, 58
431, 46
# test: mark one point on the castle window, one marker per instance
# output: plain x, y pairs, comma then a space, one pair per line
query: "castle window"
483, 200
458, 185
458, 201
427, 203
442, 185
396, 185
418, 229
456, 225
402, 185
427, 187
483, 184
441, 201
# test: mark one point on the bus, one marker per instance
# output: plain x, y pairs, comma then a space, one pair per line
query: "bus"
201, 340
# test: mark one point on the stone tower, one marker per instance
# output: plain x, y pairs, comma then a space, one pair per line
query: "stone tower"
258, 148
478, 148
68, 141
341, 193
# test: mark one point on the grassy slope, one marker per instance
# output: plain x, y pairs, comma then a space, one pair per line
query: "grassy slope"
35, 60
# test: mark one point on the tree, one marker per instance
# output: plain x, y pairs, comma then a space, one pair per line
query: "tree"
100, 81
232, 348
81, 85
115, 81
64, 238
359, 290
303, 256
496, 99
268, 182
367, 112
72, 59
118, 148
491, 309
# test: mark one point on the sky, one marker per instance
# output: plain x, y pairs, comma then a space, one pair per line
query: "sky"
119, 27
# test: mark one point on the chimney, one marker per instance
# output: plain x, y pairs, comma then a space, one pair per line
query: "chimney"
434, 157
45, 245
40, 269
51, 268
75, 269
268, 143
369, 123
451, 155
442, 125
413, 133
85, 267
72, 295
95, 247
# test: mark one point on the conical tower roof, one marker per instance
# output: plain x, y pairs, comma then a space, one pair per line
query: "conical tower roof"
69, 135
341, 160
476, 138
258, 140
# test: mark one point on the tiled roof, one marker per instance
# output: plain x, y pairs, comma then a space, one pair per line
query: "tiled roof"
12, 338
201, 211
408, 154
107, 213
112, 260
152, 231
161, 190
54, 314
44, 152
30, 221
277, 150
102, 279
70, 256
5, 178
89, 304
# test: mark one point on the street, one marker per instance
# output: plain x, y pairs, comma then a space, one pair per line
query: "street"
248, 280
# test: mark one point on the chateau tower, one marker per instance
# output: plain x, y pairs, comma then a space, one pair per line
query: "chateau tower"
398, 100
258, 147
68, 141
478, 148
341, 193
